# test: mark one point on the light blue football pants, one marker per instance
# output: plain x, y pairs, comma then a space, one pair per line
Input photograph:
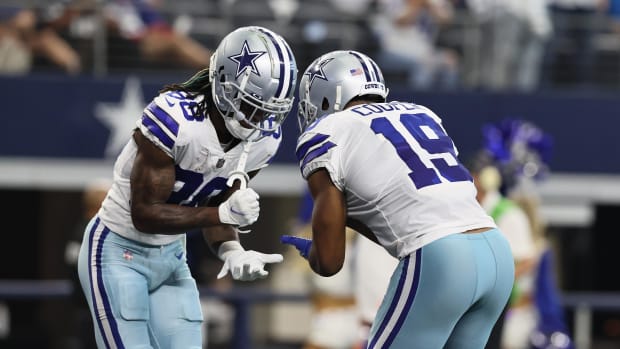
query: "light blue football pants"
448, 294
140, 296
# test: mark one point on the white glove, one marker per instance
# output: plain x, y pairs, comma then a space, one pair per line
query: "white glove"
241, 208
244, 265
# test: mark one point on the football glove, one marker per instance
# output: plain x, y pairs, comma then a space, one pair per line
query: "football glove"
244, 265
240, 209
301, 244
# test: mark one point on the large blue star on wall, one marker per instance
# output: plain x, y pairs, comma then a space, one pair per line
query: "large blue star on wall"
246, 58
316, 72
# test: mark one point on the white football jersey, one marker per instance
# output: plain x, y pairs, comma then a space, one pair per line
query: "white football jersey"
201, 165
398, 170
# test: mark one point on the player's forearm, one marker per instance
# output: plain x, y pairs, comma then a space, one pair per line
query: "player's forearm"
172, 219
215, 235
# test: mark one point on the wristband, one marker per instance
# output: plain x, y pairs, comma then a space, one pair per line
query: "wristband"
228, 246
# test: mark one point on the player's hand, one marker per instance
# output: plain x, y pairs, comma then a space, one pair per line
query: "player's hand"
247, 265
240, 209
301, 244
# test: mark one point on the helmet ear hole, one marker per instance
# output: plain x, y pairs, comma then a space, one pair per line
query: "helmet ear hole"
325, 104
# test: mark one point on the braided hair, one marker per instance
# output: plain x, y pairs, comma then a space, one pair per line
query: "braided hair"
198, 84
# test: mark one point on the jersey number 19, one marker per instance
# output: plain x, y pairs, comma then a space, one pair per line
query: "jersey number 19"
439, 150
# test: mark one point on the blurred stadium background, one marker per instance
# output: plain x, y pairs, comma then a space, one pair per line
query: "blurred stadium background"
62, 125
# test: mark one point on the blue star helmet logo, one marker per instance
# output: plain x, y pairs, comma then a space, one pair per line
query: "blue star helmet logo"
246, 59
316, 72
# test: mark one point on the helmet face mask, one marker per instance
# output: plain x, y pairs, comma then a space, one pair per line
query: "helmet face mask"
333, 80
253, 74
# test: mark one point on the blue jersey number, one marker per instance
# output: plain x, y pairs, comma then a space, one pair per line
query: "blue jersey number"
194, 190
432, 138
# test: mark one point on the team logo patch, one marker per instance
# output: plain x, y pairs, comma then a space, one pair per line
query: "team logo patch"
127, 255
246, 59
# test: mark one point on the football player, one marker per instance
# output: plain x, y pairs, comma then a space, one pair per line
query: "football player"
170, 178
390, 171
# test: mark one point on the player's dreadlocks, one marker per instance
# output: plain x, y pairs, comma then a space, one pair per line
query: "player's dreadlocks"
197, 85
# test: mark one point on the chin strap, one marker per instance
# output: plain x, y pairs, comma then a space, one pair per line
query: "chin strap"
239, 173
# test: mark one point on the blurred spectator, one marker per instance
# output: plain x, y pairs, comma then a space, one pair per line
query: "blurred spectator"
614, 13
572, 49
353, 8
516, 155
334, 315
334, 322
141, 21
407, 30
137, 33
24, 35
512, 41
371, 276
514, 327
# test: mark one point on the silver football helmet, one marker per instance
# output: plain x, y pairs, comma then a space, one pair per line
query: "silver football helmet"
253, 74
333, 80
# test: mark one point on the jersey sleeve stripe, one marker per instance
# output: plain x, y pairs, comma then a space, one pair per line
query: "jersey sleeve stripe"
317, 152
304, 147
157, 130
166, 120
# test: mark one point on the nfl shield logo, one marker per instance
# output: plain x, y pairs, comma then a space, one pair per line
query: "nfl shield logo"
127, 255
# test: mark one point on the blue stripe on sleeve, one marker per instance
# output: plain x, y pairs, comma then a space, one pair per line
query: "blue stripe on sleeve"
303, 148
171, 124
157, 131
317, 152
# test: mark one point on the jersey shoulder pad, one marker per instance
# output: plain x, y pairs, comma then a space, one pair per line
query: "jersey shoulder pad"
430, 113
164, 118
312, 145
264, 151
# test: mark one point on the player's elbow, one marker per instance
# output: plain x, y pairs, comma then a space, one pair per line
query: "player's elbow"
326, 268
141, 220
140, 224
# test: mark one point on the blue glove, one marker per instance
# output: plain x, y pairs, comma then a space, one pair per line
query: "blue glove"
301, 244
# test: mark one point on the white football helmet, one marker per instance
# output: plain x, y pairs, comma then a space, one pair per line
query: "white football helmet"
253, 75
333, 80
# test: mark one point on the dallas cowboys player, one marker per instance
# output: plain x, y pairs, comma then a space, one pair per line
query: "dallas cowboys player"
390, 171
171, 177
